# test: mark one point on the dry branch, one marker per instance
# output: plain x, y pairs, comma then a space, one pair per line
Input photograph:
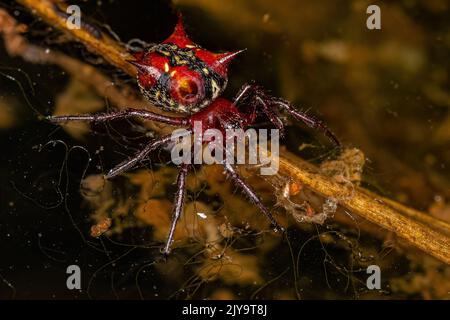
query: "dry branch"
419, 229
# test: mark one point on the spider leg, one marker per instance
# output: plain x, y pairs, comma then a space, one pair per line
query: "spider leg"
266, 101
178, 206
245, 96
124, 114
244, 92
306, 119
128, 164
273, 117
252, 195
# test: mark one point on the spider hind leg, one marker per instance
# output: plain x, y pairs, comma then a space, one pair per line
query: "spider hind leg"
178, 206
236, 178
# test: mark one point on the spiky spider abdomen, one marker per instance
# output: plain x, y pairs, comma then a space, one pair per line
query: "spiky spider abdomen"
178, 75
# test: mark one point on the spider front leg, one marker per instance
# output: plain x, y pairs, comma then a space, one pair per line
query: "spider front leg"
254, 101
178, 206
124, 114
273, 117
236, 178
252, 93
306, 119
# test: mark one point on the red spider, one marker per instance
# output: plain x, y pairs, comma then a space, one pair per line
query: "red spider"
178, 75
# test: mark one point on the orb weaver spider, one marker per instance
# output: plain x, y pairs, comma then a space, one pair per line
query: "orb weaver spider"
180, 76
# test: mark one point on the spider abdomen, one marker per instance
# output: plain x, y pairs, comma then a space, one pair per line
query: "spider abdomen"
178, 75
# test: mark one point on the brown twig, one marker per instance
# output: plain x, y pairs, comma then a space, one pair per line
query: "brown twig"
421, 230
409, 224
105, 47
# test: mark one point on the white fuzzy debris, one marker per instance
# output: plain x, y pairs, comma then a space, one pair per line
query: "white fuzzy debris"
201, 215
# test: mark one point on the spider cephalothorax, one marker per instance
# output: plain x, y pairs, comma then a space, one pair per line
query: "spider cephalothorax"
178, 75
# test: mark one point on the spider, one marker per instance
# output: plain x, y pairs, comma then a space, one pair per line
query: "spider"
180, 76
